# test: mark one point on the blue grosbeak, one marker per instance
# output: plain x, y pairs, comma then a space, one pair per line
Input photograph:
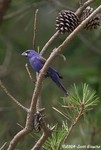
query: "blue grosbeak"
37, 62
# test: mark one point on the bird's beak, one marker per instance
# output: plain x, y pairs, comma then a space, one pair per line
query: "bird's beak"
24, 54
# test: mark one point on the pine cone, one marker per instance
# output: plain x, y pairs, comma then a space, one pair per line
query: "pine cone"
94, 22
36, 123
66, 21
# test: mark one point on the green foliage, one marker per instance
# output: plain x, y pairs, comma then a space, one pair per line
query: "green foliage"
81, 99
84, 95
53, 142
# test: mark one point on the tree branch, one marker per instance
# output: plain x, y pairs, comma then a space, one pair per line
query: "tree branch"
29, 74
82, 7
15, 100
1, 148
42, 140
17, 138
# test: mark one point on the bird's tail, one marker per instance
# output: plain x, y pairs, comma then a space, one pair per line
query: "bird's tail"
61, 86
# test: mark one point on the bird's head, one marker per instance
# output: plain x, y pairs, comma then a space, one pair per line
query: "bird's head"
29, 53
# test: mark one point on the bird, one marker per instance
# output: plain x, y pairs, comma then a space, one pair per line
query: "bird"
37, 62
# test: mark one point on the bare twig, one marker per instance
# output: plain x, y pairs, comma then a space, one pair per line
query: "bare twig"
82, 7
26, 130
35, 25
42, 140
30, 76
34, 37
60, 112
22, 127
15, 100
62, 56
3, 146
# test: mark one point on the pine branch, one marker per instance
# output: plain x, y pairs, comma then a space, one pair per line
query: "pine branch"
74, 123
81, 100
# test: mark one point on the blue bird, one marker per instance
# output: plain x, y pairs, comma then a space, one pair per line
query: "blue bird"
37, 62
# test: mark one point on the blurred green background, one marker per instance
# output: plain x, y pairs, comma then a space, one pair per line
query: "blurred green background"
83, 64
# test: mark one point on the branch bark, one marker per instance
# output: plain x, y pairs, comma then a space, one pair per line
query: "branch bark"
17, 138
1, 148
79, 11
41, 141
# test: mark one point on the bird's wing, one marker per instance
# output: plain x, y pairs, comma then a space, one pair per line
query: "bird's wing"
42, 59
